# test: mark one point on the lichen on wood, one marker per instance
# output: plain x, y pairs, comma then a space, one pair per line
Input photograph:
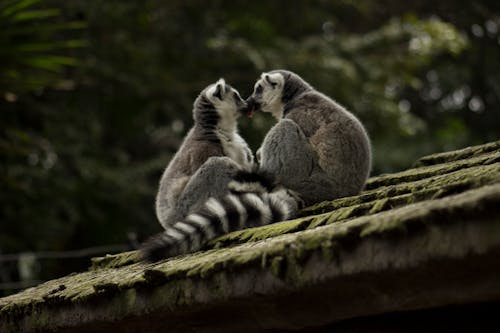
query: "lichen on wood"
457, 154
378, 200
416, 174
460, 189
438, 185
169, 284
113, 261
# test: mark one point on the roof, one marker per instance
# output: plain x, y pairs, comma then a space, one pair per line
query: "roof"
408, 242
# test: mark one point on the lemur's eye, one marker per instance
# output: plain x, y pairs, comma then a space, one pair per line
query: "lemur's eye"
258, 89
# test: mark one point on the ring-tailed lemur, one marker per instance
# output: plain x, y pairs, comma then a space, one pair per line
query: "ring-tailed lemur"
209, 156
253, 199
317, 149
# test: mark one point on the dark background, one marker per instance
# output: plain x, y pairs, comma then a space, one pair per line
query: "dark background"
95, 97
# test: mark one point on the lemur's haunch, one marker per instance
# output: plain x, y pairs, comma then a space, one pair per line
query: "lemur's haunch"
252, 200
212, 149
317, 149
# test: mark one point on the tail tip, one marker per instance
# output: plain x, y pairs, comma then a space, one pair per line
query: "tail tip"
149, 253
154, 249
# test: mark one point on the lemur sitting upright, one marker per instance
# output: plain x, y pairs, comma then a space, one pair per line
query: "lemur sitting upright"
211, 154
317, 149
221, 194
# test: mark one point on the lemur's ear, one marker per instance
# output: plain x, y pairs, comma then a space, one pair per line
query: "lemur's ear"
268, 79
220, 89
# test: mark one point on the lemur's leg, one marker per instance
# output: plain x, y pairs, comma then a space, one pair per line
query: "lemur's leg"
210, 180
343, 155
287, 154
167, 197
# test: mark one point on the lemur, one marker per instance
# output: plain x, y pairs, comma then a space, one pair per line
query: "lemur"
210, 155
252, 199
210, 187
317, 148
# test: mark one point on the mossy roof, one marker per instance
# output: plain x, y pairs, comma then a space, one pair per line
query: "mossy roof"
409, 241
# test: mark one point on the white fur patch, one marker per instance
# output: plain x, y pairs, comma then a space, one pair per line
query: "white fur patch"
242, 212
228, 113
236, 149
225, 106
216, 207
227, 131
195, 237
254, 187
277, 79
257, 203
281, 205
165, 237
185, 227
204, 223
271, 95
213, 88
175, 234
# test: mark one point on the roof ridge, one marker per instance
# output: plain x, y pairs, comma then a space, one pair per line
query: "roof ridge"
372, 203
339, 210
455, 155
385, 192
413, 174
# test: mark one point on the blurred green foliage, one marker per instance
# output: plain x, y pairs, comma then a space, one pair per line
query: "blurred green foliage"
96, 95
29, 46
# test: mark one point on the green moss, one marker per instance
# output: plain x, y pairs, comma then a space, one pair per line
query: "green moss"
384, 192
327, 250
380, 205
327, 206
285, 255
452, 182
256, 234
278, 267
412, 175
457, 154
282, 248
117, 260
338, 215
317, 220
41, 320
340, 210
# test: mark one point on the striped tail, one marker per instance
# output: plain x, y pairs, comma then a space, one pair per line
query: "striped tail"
253, 200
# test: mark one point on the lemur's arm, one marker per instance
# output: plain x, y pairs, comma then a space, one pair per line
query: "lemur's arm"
247, 160
286, 153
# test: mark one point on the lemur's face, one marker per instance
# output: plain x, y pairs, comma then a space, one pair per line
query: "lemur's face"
226, 100
267, 94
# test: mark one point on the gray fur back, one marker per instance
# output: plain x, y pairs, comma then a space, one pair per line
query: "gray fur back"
318, 148
338, 138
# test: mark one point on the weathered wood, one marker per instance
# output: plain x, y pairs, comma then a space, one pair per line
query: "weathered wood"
456, 155
369, 265
409, 243
443, 181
